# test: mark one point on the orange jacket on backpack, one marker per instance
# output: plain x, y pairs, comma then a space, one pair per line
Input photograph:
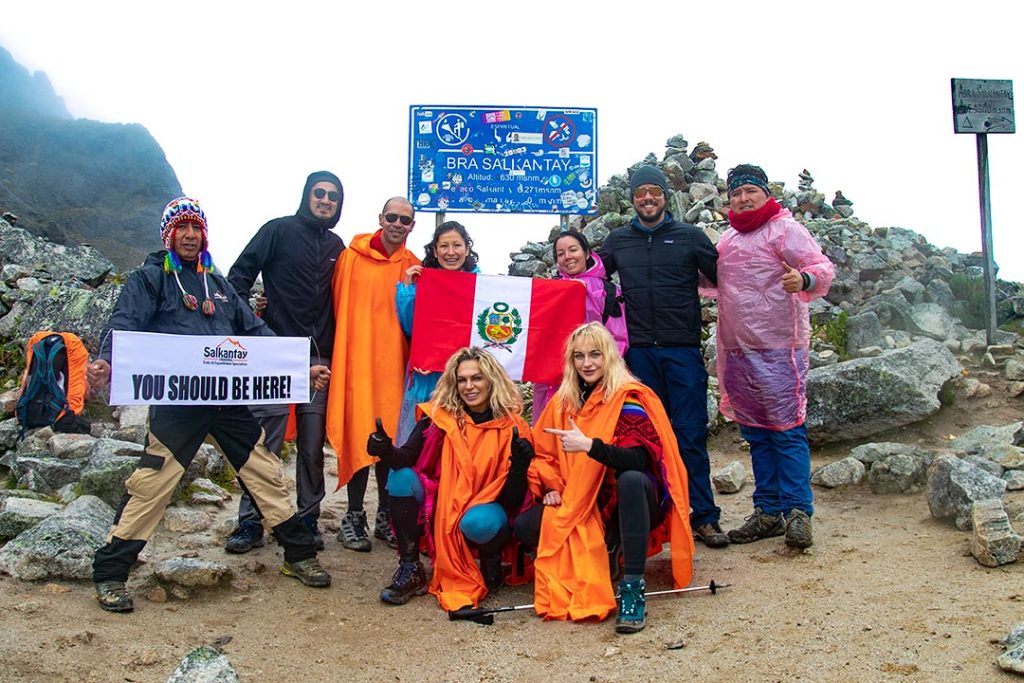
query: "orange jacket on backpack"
78, 359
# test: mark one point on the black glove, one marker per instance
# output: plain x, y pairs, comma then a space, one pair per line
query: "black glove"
379, 444
522, 451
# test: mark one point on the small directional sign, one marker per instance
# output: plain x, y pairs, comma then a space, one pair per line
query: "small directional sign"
982, 106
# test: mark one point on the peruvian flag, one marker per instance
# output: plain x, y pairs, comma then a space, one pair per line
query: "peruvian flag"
521, 321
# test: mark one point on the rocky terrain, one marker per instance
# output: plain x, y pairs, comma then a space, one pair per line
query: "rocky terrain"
918, 473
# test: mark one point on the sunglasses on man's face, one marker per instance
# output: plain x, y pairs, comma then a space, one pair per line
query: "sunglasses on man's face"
320, 192
395, 218
653, 190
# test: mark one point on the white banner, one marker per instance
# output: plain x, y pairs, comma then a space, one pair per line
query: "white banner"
182, 370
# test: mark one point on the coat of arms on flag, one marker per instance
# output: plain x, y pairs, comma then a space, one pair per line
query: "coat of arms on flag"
523, 322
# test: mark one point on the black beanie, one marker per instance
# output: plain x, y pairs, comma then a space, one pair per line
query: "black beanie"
648, 175
747, 174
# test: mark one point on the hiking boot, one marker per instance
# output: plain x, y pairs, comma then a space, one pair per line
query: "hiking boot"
354, 533
382, 528
798, 529
113, 597
711, 535
312, 526
632, 604
757, 526
494, 574
410, 579
246, 536
308, 571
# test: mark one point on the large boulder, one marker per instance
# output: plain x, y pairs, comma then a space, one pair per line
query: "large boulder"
868, 395
21, 514
81, 263
61, 547
994, 541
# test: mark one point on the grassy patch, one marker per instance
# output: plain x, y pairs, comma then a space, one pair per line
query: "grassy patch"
833, 332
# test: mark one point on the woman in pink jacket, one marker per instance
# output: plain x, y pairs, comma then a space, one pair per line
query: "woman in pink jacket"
769, 267
576, 261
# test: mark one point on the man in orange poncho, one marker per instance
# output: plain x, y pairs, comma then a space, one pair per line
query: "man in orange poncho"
460, 477
368, 365
609, 479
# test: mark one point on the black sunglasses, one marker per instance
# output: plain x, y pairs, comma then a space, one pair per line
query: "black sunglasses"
393, 217
320, 192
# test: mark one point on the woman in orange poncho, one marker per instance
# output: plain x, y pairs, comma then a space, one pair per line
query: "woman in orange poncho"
609, 480
454, 475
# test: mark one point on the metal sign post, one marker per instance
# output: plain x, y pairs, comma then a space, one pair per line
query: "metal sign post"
982, 107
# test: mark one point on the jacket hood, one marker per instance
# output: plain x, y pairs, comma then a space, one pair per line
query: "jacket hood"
304, 213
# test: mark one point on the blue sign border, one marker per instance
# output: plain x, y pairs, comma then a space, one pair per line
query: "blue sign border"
501, 159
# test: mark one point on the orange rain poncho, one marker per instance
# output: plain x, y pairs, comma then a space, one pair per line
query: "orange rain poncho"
571, 570
370, 351
469, 469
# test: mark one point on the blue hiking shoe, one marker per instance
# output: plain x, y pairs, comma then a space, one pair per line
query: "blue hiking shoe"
247, 536
631, 607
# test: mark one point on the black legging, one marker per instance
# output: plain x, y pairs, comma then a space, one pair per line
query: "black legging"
357, 487
638, 513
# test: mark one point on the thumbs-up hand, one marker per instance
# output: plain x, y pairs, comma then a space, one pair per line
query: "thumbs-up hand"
379, 444
792, 280
573, 440
522, 451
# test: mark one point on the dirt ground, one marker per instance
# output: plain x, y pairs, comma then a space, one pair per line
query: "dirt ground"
885, 594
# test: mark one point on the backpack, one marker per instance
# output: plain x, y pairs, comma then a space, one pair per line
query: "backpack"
54, 386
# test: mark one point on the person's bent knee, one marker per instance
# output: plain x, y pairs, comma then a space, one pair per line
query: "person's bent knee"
404, 483
481, 523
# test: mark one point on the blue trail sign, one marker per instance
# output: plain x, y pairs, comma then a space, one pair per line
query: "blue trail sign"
503, 159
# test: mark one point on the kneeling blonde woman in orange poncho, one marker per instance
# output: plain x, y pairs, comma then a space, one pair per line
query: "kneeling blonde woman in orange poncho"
609, 479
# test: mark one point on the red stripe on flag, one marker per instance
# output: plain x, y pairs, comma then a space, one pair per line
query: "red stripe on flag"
443, 317
557, 307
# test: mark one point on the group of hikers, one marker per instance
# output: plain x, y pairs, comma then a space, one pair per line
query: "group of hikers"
615, 463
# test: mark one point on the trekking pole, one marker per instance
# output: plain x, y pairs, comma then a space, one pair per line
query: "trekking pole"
482, 615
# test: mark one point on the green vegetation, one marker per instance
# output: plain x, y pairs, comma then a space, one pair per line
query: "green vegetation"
946, 395
12, 360
833, 332
970, 294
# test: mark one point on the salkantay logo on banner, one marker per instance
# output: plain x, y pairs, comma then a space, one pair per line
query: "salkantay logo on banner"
500, 324
228, 352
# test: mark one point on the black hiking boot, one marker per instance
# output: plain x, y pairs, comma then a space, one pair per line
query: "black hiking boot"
245, 537
113, 597
409, 580
308, 571
798, 529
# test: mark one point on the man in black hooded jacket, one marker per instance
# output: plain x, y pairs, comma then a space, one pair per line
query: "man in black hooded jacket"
296, 255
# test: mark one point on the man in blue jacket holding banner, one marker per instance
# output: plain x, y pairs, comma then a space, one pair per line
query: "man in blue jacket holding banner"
163, 296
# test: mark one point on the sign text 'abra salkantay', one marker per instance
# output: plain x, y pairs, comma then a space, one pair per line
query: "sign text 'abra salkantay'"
503, 159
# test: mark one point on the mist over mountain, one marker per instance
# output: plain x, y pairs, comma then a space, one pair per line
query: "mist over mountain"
77, 181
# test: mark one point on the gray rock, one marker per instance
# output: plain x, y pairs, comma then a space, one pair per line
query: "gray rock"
993, 468
931, 320
185, 521
869, 453
700, 192
730, 479
68, 492
8, 434
134, 434
993, 542
1014, 480
132, 416
1015, 637
1012, 660
891, 307
82, 263
20, 514
105, 448
191, 572
1014, 369
898, 473
49, 473
868, 395
62, 546
104, 477
204, 665
954, 486
938, 292
203, 498
203, 485
977, 439
912, 289
82, 311
70, 446
845, 472
862, 331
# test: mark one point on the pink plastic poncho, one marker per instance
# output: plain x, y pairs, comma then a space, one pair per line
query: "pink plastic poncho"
763, 331
593, 278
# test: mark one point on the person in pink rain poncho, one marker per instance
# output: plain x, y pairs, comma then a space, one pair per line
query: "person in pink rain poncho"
769, 268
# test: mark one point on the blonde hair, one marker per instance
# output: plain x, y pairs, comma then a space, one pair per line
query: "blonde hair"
504, 398
615, 371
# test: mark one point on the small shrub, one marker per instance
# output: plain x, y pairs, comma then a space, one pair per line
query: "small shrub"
833, 332
970, 295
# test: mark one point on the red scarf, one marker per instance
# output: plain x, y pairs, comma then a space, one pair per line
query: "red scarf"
748, 221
